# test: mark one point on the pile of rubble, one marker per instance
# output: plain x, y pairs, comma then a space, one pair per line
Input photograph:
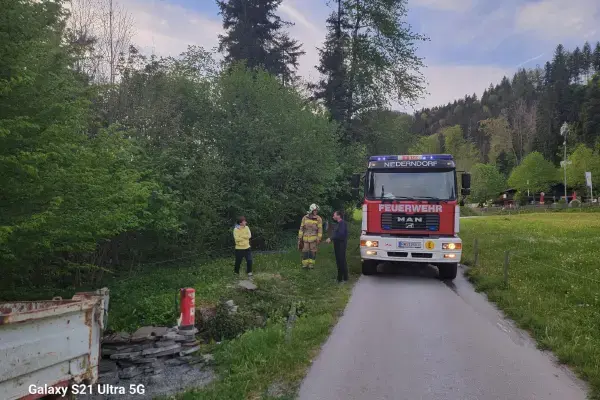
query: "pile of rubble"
147, 352
161, 358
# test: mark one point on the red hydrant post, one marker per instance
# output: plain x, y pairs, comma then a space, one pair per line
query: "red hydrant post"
188, 308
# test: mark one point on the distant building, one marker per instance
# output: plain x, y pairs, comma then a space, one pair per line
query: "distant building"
506, 198
556, 192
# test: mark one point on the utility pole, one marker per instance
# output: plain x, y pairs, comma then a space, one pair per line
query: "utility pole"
563, 131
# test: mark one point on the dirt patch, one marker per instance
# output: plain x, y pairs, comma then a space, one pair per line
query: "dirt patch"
277, 390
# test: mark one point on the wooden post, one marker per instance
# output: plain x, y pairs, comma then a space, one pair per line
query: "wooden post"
290, 323
475, 252
506, 259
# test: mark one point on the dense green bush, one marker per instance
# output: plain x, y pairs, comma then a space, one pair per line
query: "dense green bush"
64, 194
101, 179
227, 325
488, 182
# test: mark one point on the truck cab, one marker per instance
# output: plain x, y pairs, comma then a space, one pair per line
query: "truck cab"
411, 211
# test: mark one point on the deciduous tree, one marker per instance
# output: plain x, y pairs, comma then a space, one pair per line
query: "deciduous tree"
63, 193
369, 58
384, 131
487, 184
535, 174
583, 160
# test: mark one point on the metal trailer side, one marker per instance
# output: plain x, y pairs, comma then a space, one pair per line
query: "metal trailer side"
54, 343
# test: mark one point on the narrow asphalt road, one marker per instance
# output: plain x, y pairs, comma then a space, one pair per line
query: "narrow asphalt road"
415, 338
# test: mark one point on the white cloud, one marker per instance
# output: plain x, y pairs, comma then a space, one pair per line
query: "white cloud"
165, 29
486, 32
444, 5
289, 9
559, 19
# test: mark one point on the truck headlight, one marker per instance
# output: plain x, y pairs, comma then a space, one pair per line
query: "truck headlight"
369, 243
451, 246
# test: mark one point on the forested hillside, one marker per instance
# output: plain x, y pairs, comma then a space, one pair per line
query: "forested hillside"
111, 159
521, 116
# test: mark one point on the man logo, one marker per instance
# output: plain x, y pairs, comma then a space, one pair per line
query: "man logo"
410, 219
410, 225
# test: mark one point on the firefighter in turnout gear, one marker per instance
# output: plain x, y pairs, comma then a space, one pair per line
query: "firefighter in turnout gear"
309, 236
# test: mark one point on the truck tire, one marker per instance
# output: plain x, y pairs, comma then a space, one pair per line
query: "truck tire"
447, 271
369, 268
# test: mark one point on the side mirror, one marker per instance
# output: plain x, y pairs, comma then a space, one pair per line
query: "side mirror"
354, 192
465, 192
466, 181
355, 181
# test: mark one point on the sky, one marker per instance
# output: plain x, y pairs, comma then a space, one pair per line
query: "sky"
472, 43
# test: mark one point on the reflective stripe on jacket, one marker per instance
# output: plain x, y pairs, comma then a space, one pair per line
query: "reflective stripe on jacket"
311, 228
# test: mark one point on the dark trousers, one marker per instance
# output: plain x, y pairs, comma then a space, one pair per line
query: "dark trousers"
241, 254
339, 248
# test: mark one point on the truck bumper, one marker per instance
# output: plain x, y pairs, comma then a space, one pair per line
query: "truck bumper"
414, 250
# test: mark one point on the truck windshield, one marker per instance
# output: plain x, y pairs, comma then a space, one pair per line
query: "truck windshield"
413, 184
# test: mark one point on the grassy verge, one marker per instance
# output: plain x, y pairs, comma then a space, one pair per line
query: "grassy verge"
554, 277
468, 211
252, 356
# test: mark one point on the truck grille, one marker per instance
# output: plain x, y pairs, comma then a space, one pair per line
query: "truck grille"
410, 222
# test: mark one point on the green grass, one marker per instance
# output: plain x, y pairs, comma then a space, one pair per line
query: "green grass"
468, 212
554, 280
586, 208
248, 364
254, 355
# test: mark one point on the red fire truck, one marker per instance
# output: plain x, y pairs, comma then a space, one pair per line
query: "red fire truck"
410, 212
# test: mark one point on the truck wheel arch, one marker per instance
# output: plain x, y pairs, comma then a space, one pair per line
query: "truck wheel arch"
447, 271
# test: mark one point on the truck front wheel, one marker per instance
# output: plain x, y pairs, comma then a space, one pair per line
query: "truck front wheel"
447, 271
369, 267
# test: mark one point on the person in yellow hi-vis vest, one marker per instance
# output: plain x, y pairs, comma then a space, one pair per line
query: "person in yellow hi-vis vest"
309, 236
242, 236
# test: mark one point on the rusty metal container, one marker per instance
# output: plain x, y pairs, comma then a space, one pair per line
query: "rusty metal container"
54, 342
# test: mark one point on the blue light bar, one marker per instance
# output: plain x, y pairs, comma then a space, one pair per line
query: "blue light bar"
383, 158
412, 157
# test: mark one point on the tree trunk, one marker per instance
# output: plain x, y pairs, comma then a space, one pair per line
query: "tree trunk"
353, 62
